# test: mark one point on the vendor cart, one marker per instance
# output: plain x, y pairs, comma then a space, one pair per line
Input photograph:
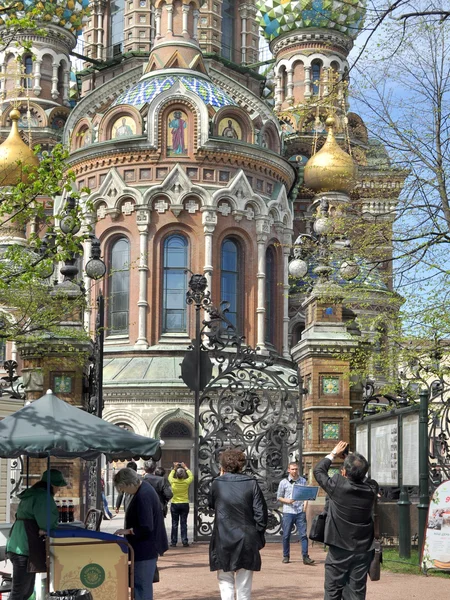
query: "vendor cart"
51, 427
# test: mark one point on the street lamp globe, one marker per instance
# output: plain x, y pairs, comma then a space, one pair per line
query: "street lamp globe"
323, 226
349, 270
298, 268
95, 267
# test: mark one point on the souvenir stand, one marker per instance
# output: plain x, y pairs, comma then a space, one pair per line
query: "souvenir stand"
76, 557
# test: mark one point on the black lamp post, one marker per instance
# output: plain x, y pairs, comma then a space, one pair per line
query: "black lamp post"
196, 369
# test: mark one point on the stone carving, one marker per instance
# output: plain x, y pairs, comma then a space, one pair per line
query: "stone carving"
101, 212
161, 206
191, 206
224, 209
127, 208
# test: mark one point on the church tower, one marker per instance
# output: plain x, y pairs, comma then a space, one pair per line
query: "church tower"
37, 79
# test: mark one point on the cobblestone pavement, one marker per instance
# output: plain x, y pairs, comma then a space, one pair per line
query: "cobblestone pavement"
185, 575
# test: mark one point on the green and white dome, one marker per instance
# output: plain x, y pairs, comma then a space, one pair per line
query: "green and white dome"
281, 16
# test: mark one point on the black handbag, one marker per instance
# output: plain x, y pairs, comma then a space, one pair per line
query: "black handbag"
317, 530
375, 565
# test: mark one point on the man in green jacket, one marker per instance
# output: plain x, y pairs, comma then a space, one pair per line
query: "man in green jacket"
25, 540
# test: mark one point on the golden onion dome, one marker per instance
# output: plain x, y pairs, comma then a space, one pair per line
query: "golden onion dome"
331, 169
12, 151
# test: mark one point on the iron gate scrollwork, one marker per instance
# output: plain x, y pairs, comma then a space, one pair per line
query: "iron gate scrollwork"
250, 403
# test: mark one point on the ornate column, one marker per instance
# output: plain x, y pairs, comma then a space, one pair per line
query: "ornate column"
65, 86
169, 9
158, 21
55, 68
185, 10
262, 227
143, 220
209, 220
290, 86
278, 92
196, 14
308, 91
287, 243
37, 77
243, 13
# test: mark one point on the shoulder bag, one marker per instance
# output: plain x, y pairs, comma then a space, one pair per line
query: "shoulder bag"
375, 565
317, 530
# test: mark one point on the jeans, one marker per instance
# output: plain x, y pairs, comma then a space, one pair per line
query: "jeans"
179, 513
106, 507
240, 580
144, 571
22, 582
289, 520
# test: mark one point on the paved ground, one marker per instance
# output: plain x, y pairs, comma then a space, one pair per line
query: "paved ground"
185, 575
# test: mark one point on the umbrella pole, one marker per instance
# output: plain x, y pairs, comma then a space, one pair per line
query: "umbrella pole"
28, 471
47, 540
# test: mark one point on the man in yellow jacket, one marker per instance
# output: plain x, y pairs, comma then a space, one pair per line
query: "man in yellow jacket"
180, 478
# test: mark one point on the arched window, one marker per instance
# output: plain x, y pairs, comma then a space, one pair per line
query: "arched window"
315, 78
175, 429
175, 284
119, 288
28, 71
270, 296
230, 265
228, 30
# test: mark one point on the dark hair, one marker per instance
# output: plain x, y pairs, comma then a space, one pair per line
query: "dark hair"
232, 461
356, 467
160, 471
132, 465
150, 466
180, 473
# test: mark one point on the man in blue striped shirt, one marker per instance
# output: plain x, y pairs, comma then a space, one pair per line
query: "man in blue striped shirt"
293, 513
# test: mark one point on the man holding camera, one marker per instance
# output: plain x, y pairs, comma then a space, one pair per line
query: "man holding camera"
349, 529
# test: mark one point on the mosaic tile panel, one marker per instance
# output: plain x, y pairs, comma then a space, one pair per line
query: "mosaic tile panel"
281, 16
330, 431
144, 91
330, 385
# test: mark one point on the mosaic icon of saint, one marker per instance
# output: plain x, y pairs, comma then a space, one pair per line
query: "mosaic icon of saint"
230, 132
124, 130
178, 125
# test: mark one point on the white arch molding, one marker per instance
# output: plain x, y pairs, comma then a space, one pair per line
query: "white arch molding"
167, 417
127, 416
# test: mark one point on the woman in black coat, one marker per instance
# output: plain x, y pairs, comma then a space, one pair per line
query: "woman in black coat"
239, 525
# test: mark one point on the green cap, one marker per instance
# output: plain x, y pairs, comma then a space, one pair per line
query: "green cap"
56, 478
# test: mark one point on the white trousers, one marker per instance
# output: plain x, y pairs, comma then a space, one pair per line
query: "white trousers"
240, 580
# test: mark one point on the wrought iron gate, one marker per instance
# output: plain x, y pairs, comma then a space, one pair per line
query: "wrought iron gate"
250, 403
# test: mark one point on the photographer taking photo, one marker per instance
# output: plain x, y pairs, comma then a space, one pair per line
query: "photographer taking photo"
180, 478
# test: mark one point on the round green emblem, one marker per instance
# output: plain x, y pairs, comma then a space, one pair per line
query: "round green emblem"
92, 576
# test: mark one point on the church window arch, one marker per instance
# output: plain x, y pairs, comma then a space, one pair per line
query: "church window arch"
270, 314
174, 286
119, 287
231, 279
175, 429
228, 47
27, 80
316, 70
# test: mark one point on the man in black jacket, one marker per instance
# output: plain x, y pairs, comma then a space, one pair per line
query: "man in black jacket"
349, 530
159, 484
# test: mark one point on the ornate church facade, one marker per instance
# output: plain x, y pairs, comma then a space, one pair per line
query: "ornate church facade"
193, 161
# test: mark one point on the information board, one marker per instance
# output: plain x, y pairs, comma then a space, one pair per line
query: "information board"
362, 440
410, 450
384, 452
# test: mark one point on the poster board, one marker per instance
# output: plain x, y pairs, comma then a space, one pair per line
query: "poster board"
82, 563
436, 548
410, 450
362, 440
384, 452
